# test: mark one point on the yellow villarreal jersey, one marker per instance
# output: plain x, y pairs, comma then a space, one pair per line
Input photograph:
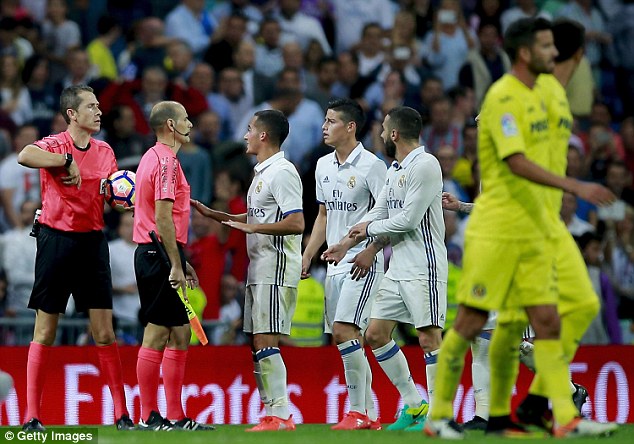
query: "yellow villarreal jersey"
513, 120
560, 127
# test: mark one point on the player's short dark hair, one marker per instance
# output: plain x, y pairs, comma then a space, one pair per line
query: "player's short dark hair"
350, 111
70, 99
522, 33
569, 36
407, 121
163, 111
274, 123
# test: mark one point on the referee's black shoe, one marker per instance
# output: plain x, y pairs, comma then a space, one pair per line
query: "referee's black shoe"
125, 423
156, 422
33, 425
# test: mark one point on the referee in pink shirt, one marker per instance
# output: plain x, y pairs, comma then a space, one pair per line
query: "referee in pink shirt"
162, 205
72, 252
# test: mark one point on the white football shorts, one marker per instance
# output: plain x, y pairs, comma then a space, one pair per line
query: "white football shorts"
269, 308
418, 302
348, 300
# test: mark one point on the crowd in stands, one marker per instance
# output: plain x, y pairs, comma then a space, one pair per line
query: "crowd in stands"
225, 59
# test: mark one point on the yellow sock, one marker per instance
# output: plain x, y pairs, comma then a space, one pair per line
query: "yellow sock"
551, 363
450, 365
504, 366
573, 326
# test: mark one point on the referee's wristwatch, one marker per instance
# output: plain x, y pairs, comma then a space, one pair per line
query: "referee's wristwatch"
68, 157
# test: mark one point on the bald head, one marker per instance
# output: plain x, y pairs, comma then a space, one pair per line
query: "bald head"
164, 111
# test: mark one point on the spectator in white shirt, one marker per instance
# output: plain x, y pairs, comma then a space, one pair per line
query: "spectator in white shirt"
301, 26
191, 23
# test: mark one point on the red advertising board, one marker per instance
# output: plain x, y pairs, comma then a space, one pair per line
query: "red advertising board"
220, 389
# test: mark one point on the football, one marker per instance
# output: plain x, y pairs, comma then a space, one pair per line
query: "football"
120, 190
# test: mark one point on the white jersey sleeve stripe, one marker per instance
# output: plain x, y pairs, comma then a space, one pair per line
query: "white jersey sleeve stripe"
298, 210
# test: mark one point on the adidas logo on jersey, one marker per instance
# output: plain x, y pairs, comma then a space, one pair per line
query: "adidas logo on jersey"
326, 180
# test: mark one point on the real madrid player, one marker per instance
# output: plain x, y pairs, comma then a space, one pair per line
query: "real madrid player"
348, 181
274, 224
414, 289
508, 261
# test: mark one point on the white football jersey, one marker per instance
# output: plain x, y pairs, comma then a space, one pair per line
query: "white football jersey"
348, 191
409, 211
276, 192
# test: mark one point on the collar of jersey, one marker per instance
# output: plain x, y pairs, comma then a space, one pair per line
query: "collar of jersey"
162, 148
268, 162
356, 152
408, 159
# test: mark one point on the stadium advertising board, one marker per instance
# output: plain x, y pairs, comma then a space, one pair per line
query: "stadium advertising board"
220, 389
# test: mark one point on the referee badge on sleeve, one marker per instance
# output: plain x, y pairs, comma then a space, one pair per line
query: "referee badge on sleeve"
102, 186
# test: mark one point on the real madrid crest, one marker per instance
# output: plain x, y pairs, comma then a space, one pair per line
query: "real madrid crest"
352, 182
401, 181
258, 187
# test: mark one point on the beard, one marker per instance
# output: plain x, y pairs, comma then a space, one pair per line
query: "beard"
539, 67
390, 148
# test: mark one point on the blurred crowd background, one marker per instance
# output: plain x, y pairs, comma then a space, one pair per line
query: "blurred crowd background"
226, 59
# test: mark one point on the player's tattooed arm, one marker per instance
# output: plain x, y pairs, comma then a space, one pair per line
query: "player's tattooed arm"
452, 203
379, 243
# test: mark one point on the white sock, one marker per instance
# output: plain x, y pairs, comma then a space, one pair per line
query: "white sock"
354, 370
393, 362
431, 364
573, 389
257, 373
273, 373
480, 376
370, 410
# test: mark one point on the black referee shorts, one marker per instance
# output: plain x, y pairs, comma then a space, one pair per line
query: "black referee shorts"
67, 262
160, 303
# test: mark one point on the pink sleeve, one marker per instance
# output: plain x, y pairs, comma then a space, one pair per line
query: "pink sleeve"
50, 144
165, 180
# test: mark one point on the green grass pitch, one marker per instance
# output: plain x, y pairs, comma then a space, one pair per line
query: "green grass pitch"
305, 434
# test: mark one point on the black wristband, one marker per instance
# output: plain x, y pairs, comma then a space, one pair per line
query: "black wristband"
69, 159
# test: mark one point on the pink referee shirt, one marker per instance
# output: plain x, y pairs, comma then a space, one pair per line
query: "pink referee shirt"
66, 207
160, 177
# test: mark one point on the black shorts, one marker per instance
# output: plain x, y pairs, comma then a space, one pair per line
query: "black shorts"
77, 263
160, 303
